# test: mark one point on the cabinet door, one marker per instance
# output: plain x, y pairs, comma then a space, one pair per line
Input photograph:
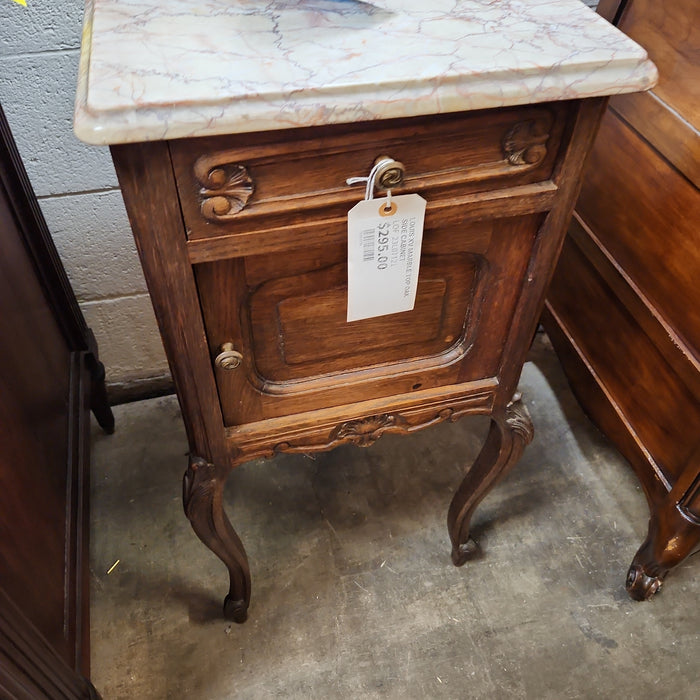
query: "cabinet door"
286, 314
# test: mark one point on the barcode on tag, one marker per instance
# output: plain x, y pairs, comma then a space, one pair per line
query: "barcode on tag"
368, 245
384, 247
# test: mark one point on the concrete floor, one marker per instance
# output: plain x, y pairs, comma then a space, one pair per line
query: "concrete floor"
354, 594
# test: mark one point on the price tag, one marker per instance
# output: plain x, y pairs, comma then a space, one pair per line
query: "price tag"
384, 242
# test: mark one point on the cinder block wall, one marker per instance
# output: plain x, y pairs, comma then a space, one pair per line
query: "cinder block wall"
77, 188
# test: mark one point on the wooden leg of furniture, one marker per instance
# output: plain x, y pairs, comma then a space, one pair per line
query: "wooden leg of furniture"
510, 432
99, 403
202, 496
672, 537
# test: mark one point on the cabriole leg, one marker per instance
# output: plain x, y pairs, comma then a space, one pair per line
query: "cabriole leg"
508, 435
203, 487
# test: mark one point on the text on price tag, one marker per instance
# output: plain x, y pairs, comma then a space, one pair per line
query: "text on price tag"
384, 243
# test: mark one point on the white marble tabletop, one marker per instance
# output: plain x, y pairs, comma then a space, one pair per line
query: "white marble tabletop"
163, 69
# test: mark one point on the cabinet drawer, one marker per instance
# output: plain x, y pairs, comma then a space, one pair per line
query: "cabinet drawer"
237, 185
646, 215
630, 364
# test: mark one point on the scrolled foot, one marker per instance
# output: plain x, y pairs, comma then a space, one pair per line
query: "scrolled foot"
508, 435
464, 552
235, 610
640, 585
203, 502
673, 535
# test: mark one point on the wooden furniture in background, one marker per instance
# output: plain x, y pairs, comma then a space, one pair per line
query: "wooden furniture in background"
250, 291
623, 311
50, 377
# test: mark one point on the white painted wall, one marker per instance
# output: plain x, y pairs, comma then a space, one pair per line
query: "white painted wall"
76, 184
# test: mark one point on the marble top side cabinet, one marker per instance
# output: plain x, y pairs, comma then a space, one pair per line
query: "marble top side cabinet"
233, 150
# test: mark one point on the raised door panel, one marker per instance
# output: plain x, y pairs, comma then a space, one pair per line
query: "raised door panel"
646, 215
299, 327
286, 314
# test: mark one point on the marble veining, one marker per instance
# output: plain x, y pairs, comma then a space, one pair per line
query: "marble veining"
161, 69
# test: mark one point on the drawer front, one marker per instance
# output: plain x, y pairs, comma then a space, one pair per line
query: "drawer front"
285, 314
237, 185
670, 32
609, 330
646, 215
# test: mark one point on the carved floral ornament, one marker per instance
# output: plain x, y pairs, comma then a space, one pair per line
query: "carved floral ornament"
367, 431
225, 191
364, 432
525, 143
225, 188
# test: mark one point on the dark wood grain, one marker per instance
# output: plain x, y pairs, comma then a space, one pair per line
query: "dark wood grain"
670, 32
610, 9
509, 434
650, 394
647, 218
664, 129
35, 385
581, 132
148, 187
623, 310
50, 377
30, 666
48, 270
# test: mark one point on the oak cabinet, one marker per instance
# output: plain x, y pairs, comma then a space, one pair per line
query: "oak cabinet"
233, 150
243, 240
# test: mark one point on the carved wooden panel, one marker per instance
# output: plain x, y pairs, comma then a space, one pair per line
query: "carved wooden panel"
225, 189
443, 156
364, 432
469, 283
444, 317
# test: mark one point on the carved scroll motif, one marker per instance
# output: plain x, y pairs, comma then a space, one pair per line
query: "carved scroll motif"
519, 421
197, 485
366, 431
524, 143
225, 191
